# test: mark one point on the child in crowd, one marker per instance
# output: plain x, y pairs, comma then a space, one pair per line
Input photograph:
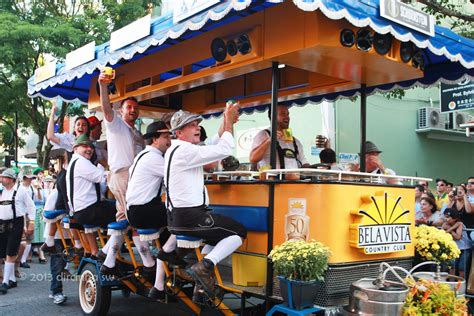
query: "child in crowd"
456, 228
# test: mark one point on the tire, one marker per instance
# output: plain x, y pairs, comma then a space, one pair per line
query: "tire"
94, 299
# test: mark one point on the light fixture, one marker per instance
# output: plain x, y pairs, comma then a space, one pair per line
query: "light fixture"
218, 49
347, 38
364, 39
281, 66
382, 43
406, 51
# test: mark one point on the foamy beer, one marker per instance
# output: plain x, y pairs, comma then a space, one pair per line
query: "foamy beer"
109, 72
287, 135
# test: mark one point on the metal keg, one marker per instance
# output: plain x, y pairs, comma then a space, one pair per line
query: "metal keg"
368, 297
457, 284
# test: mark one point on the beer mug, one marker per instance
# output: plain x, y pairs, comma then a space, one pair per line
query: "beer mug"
230, 103
287, 135
109, 72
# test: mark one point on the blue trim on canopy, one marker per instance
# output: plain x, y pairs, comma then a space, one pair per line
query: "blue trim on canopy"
448, 56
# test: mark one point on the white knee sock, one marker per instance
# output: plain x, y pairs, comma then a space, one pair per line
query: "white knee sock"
77, 244
144, 251
224, 248
9, 272
206, 249
170, 244
114, 246
26, 253
160, 276
106, 248
49, 241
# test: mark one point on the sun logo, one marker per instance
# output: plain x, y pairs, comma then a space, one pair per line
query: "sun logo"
382, 225
297, 205
381, 209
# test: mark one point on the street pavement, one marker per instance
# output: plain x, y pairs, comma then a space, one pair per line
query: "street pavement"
31, 298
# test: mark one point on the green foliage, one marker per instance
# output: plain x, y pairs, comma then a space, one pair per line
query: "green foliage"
300, 260
35, 30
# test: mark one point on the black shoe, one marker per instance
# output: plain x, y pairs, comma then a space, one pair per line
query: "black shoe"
42, 261
51, 250
199, 296
12, 284
156, 294
201, 272
4, 288
101, 256
149, 273
115, 271
24, 265
172, 258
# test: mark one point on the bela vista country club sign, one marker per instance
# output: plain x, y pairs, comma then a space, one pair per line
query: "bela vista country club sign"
382, 226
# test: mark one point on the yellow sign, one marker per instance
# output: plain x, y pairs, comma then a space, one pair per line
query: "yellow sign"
382, 225
45, 72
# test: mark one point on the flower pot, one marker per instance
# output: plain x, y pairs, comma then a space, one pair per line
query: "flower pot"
298, 294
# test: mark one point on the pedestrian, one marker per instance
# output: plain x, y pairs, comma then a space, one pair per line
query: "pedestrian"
454, 226
431, 215
441, 196
15, 203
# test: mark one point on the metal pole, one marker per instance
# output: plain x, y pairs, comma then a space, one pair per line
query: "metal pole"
363, 125
16, 139
271, 190
273, 107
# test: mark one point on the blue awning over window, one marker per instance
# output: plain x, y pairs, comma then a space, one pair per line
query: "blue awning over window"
448, 56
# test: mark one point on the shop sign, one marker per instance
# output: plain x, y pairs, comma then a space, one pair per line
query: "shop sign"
130, 33
383, 225
80, 56
296, 220
183, 9
45, 72
455, 97
408, 16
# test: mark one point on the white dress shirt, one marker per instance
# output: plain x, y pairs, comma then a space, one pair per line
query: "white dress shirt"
290, 163
186, 183
24, 204
86, 175
66, 141
123, 143
147, 176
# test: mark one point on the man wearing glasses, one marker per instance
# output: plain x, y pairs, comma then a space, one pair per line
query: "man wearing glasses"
441, 196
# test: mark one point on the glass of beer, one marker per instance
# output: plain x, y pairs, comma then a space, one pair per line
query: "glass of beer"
287, 135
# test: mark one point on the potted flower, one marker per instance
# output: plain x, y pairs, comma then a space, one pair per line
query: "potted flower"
436, 246
300, 267
432, 298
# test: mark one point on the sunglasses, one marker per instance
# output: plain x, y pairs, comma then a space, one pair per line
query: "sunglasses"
471, 183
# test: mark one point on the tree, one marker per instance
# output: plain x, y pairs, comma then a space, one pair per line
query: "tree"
31, 31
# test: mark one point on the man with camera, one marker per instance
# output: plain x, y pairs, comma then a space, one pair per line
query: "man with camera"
15, 203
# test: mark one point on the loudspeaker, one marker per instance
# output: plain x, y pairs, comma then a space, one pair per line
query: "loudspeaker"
347, 38
406, 51
218, 49
364, 39
382, 43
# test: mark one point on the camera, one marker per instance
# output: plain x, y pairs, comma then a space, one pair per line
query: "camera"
455, 192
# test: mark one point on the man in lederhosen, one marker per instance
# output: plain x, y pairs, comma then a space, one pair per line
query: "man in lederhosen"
145, 208
14, 204
187, 197
83, 180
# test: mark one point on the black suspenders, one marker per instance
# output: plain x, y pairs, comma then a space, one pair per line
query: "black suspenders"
133, 170
168, 183
12, 203
71, 184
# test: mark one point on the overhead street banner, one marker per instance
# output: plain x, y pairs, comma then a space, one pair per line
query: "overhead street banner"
456, 97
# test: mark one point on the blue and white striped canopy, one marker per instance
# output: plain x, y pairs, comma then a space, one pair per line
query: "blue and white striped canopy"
448, 56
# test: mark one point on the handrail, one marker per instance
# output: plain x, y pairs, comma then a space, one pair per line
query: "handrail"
340, 174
